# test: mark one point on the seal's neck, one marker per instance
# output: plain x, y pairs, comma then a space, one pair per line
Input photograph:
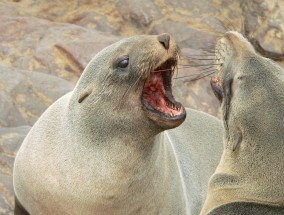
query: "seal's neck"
135, 174
252, 173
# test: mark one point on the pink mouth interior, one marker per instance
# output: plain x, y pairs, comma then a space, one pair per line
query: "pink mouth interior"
154, 93
216, 81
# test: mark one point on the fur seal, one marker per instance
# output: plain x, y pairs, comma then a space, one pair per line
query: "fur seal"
249, 178
103, 148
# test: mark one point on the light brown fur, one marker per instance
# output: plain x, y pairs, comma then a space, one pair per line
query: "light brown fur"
249, 178
95, 151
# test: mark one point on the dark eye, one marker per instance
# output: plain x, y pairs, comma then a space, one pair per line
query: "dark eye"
123, 63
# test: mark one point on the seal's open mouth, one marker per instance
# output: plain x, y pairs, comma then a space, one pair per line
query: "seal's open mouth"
157, 93
217, 87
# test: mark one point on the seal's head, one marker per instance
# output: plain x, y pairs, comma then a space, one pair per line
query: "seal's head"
250, 88
132, 79
250, 173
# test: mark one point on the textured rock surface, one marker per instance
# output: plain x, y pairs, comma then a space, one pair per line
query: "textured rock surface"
264, 25
58, 38
25, 95
10, 141
39, 45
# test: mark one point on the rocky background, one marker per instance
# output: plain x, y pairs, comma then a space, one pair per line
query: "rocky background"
45, 45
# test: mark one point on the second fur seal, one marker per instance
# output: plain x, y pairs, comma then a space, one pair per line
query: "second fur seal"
249, 178
101, 148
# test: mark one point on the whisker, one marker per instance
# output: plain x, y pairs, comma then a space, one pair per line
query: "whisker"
198, 65
201, 69
192, 58
195, 79
197, 74
201, 55
210, 67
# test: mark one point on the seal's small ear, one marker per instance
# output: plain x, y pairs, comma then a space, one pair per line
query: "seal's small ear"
84, 95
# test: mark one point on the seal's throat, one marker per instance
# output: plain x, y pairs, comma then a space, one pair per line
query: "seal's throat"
157, 92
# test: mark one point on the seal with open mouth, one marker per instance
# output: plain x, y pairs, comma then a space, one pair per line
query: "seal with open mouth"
101, 149
249, 178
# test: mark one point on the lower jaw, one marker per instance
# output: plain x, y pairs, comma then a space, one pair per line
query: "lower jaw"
165, 121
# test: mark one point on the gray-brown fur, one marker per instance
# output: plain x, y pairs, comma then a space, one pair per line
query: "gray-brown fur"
94, 151
247, 208
250, 174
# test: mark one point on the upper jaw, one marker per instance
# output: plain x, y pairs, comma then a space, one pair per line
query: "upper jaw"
157, 99
217, 87
216, 82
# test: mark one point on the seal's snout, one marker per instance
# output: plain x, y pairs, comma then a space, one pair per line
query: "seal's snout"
164, 39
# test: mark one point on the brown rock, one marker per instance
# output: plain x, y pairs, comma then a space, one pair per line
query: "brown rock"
264, 26
192, 23
24, 96
10, 141
59, 49
93, 14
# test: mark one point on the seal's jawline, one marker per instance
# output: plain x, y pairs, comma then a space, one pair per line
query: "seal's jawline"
157, 93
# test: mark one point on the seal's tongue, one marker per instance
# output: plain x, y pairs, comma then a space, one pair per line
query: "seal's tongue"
157, 92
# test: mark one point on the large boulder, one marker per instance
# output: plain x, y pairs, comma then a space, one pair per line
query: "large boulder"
48, 47
10, 142
264, 26
25, 95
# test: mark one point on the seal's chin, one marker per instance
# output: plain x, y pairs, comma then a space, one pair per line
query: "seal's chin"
157, 98
217, 87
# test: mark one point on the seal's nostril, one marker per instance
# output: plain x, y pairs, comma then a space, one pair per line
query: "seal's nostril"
164, 39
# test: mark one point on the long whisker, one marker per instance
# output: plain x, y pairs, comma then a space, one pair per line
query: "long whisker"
202, 55
197, 74
210, 67
201, 69
192, 58
195, 79
198, 65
